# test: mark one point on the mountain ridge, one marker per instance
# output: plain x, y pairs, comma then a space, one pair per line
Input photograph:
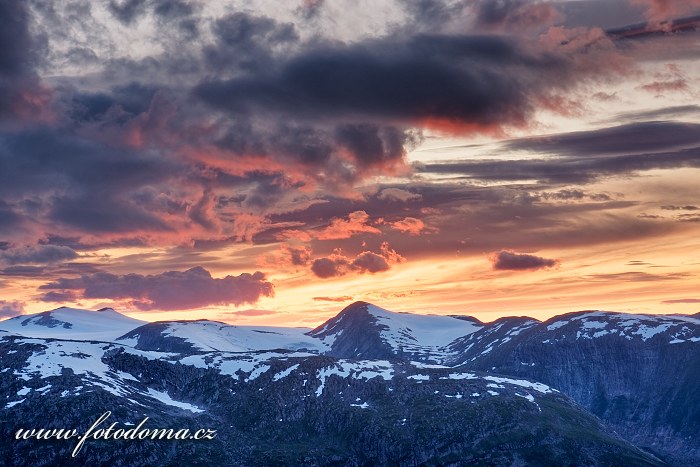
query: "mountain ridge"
639, 374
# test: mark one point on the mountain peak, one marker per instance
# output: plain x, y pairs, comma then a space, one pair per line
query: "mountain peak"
72, 323
354, 307
363, 330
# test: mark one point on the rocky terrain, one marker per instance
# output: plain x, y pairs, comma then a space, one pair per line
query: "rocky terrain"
368, 387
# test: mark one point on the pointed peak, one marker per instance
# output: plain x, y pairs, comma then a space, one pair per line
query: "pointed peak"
355, 308
355, 305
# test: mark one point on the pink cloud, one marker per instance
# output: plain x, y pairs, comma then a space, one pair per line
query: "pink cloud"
339, 228
410, 225
659, 10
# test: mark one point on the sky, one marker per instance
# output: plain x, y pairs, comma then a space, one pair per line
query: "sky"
268, 163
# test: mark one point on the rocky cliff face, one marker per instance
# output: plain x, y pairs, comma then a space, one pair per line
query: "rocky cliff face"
640, 374
368, 387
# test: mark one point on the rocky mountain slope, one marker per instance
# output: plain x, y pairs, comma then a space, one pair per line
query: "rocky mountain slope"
363, 330
367, 387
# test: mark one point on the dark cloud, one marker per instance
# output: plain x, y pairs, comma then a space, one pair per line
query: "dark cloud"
298, 256
337, 264
371, 145
172, 290
105, 213
247, 42
10, 220
688, 218
478, 80
62, 296
178, 170
9, 309
20, 52
127, 101
671, 207
75, 268
39, 254
584, 157
507, 260
53, 160
634, 276
330, 267
67, 177
180, 13
681, 300
665, 113
23, 271
642, 137
173, 9
370, 262
127, 11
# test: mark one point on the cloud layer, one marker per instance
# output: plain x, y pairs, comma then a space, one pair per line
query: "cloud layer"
172, 290
308, 139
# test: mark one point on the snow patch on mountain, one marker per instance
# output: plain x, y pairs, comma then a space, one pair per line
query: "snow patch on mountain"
165, 398
596, 324
420, 334
72, 323
362, 369
210, 336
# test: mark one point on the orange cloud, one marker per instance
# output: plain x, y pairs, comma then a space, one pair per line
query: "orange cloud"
356, 222
410, 225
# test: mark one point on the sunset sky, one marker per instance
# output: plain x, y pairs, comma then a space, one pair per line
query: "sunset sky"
261, 162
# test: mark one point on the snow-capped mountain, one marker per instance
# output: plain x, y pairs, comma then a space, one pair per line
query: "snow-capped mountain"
72, 323
289, 408
208, 336
363, 330
639, 373
368, 386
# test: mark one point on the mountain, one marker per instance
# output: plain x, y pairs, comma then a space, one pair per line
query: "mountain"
287, 408
363, 330
208, 336
489, 337
368, 387
639, 373
72, 323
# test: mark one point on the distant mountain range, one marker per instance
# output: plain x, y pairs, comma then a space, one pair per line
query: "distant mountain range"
368, 387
